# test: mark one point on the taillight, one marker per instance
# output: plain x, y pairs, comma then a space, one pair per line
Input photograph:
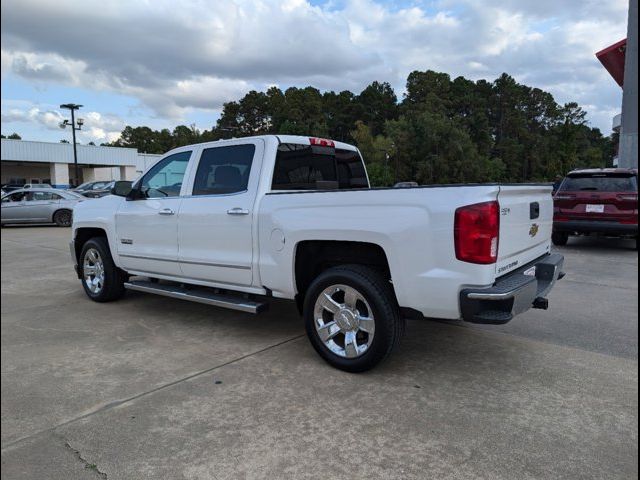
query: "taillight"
476, 230
321, 142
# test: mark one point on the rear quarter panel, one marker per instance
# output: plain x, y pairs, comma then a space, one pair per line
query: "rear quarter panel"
414, 227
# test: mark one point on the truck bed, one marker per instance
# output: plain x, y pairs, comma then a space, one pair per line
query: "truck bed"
414, 226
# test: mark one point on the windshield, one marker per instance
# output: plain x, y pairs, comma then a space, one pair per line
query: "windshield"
600, 183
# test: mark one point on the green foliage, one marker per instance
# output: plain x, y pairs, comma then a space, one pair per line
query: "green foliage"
443, 130
377, 152
380, 175
13, 136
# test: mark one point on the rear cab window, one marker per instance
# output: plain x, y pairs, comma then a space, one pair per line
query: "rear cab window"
596, 182
317, 167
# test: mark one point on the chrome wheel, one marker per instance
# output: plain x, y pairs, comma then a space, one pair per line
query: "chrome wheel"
344, 321
93, 271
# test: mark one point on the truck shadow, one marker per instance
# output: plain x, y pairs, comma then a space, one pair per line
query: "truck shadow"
427, 344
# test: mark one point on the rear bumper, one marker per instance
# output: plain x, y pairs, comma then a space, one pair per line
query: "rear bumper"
512, 294
591, 226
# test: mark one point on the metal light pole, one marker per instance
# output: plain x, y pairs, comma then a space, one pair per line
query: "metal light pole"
73, 107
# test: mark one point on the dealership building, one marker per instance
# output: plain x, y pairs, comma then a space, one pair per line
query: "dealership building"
24, 161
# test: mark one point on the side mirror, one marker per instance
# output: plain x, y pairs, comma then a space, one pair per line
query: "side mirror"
121, 188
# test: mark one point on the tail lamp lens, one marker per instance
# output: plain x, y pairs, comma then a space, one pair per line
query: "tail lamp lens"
476, 230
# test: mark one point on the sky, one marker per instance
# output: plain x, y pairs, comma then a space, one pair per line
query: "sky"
162, 63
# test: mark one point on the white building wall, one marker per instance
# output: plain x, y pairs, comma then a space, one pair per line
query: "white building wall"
59, 174
28, 151
145, 160
24, 159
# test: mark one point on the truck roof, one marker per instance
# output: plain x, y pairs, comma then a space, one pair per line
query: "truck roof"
299, 139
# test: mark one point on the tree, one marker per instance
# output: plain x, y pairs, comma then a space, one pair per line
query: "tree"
378, 153
443, 130
14, 136
64, 140
377, 103
341, 113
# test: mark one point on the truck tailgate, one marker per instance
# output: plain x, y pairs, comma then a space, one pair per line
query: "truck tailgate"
526, 221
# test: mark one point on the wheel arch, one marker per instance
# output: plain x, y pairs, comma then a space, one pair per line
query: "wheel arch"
83, 234
312, 257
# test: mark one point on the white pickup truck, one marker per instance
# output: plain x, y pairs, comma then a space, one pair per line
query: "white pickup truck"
234, 222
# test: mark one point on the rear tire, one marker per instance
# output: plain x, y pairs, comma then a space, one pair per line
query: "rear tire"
352, 317
102, 280
63, 218
560, 238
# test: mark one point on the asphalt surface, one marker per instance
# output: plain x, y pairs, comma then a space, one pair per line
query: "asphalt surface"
595, 307
151, 387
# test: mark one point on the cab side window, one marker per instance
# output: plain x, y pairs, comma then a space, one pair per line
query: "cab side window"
165, 178
224, 170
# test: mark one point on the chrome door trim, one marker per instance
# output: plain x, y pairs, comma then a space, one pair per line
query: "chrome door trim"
143, 257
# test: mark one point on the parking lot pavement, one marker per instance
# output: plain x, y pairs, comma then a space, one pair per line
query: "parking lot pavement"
595, 307
151, 387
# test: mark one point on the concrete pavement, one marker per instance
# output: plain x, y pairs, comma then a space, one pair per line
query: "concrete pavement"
150, 387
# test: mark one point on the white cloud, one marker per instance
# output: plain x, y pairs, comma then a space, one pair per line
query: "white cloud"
175, 57
97, 127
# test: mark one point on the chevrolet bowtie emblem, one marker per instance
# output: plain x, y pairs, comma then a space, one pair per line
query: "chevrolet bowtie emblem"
533, 231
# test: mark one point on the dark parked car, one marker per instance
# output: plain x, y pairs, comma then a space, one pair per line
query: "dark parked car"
596, 201
95, 189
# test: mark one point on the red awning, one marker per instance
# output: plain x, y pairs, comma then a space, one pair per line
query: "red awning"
613, 60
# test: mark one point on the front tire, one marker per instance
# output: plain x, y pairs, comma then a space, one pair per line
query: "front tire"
560, 238
352, 318
102, 280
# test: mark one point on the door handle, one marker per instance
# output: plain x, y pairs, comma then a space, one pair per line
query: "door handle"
166, 211
238, 211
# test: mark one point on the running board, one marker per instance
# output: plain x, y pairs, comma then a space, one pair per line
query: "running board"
199, 295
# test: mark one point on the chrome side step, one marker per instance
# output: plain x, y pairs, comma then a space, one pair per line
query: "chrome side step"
199, 295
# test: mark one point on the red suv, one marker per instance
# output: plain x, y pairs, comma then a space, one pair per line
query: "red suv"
600, 201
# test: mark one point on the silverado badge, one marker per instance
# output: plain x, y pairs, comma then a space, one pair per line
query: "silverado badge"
533, 231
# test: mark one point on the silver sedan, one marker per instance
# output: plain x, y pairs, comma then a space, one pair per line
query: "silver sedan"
39, 205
